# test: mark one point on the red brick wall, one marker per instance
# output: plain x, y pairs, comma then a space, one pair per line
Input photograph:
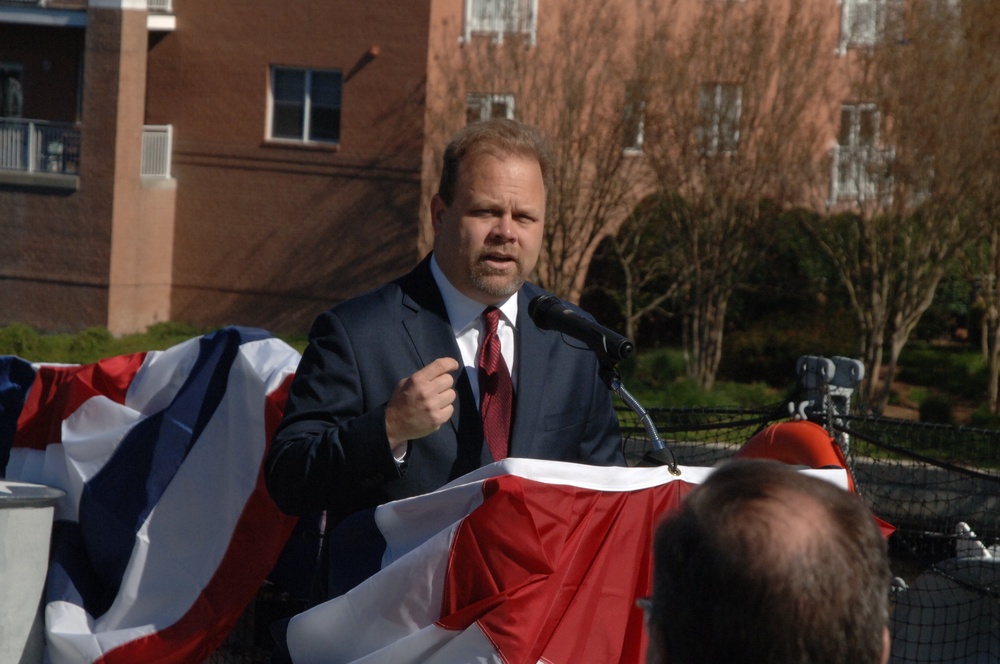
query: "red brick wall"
269, 233
54, 256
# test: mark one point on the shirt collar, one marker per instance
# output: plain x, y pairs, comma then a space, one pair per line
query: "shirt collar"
462, 310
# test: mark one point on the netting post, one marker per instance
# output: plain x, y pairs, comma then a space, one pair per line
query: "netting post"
829, 384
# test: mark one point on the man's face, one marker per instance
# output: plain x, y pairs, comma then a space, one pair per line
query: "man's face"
488, 240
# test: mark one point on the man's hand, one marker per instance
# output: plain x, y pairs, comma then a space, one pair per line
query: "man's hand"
421, 402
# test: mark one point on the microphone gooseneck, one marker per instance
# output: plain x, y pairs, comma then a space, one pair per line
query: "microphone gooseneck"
550, 313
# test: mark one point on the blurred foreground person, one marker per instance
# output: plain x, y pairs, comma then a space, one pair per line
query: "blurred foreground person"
765, 564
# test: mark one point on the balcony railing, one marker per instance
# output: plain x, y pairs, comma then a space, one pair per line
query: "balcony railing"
859, 173
157, 144
35, 146
155, 6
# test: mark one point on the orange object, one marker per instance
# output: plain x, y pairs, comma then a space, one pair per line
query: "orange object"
799, 443
802, 443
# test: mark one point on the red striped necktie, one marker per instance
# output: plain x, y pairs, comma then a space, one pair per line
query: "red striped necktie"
496, 392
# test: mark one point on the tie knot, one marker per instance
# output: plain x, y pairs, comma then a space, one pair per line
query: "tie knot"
492, 316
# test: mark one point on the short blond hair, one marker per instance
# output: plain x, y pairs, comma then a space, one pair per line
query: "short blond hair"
499, 137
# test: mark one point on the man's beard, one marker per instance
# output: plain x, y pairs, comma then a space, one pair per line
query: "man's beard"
494, 282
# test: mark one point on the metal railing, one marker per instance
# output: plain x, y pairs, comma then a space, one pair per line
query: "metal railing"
160, 6
157, 145
36, 146
859, 173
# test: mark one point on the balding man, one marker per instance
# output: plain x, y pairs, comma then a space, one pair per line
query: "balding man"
765, 564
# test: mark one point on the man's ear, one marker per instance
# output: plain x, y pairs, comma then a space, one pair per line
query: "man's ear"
437, 209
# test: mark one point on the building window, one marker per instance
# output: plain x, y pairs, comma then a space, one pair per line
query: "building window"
857, 157
634, 118
719, 105
480, 106
501, 17
305, 104
864, 22
11, 92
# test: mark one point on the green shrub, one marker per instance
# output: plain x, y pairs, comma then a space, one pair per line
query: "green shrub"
982, 418
960, 373
685, 393
91, 345
653, 369
170, 333
768, 351
919, 393
745, 394
18, 339
657, 379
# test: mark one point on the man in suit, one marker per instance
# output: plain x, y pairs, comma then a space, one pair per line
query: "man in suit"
386, 401
765, 564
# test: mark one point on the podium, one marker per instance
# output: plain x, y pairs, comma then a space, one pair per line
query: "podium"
521, 561
26, 512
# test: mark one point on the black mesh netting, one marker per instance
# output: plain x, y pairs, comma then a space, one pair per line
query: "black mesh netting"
938, 485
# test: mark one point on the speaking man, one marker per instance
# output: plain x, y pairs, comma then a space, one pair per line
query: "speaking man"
441, 371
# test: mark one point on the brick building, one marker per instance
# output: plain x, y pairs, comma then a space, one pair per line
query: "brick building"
230, 162
206, 162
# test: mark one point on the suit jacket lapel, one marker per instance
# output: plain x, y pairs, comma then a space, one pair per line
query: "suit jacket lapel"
426, 321
532, 371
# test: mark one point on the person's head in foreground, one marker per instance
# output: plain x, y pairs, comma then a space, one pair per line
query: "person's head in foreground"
763, 563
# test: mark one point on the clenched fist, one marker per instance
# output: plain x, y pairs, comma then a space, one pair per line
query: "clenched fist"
421, 402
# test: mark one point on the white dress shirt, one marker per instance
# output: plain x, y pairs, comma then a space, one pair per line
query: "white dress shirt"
467, 323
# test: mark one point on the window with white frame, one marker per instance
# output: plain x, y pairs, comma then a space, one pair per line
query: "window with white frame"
634, 117
486, 106
719, 105
501, 17
857, 156
864, 22
305, 104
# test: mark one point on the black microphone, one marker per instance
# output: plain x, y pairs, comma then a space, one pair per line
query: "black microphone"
550, 313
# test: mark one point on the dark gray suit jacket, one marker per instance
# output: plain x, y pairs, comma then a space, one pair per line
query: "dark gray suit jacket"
331, 451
